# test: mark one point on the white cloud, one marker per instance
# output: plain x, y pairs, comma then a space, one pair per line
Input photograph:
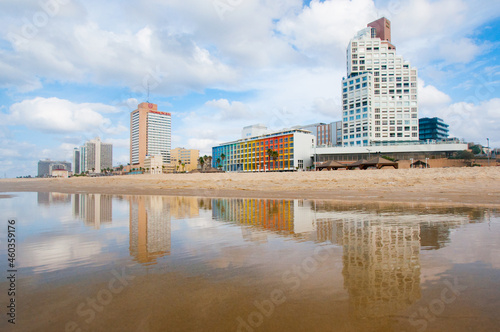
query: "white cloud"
118, 142
323, 30
56, 115
460, 51
473, 122
431, 99
227, 110
204, 145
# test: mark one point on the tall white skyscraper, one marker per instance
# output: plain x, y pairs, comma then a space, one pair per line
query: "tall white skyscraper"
95, 156
150, 134
379, 94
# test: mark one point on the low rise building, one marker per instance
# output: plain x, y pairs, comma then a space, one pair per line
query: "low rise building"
60, 173
45, 167
154, 164
284, 150
188, 159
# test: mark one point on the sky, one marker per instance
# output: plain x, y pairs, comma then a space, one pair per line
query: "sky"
72, 70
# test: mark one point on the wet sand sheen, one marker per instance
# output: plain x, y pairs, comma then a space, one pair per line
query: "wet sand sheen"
156, 263
440, 186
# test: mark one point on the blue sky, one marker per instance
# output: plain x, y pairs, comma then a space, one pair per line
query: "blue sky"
71, 70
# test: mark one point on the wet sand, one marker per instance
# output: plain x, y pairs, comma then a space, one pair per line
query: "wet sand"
476, 186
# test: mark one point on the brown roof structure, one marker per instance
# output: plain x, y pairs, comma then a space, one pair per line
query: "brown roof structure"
356, 164
378, 162
331, 164
419, 164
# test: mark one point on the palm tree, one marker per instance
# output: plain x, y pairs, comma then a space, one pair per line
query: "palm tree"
275, 157
222, 157
205, 159
202, 162
183, 167
269, 152
209, 158
218, 163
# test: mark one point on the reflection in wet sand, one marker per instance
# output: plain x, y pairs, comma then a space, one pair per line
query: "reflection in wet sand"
149, 228
200, 264
381, 266
48, 198
93, 209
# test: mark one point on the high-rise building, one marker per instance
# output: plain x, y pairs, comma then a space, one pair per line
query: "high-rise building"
379, 94
94, 156
76, 161
432, 128
150, 134
187, 157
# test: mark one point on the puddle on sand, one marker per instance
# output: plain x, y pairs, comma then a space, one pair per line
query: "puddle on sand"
154, 263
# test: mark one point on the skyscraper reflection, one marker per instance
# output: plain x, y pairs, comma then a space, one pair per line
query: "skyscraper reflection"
93, 209
149, 228
381, 244
381, 265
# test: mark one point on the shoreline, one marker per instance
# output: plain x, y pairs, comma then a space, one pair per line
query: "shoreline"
439, 186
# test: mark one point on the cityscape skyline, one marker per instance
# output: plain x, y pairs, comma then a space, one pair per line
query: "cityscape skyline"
80, 73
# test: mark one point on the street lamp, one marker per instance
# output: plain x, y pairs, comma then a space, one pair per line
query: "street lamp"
488, 151
369, 153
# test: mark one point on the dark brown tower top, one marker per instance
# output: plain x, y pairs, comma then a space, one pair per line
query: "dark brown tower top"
383, 28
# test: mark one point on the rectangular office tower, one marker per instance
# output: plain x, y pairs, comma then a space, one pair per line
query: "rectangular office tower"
379, 94
150, 134
94, 156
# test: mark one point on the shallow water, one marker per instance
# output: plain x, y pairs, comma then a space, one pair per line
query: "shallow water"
90, 262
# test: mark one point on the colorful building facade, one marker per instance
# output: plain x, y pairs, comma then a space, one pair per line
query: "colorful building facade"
293, 150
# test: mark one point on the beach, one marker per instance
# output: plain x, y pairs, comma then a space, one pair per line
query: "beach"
477, 186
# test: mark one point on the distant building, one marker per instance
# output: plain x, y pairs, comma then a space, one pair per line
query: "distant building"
45, 167
293, 146
432, 128
327, 134
60, 173
254, 130
188, 157
153, 164
95, 156
76, 161
150, 134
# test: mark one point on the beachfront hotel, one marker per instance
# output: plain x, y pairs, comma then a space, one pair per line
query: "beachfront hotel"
292, 149
379, 94
150, 134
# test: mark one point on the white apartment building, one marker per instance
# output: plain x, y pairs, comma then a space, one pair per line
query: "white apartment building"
94, 156
379, 94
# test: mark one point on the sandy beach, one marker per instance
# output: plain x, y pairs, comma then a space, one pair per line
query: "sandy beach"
457, 186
